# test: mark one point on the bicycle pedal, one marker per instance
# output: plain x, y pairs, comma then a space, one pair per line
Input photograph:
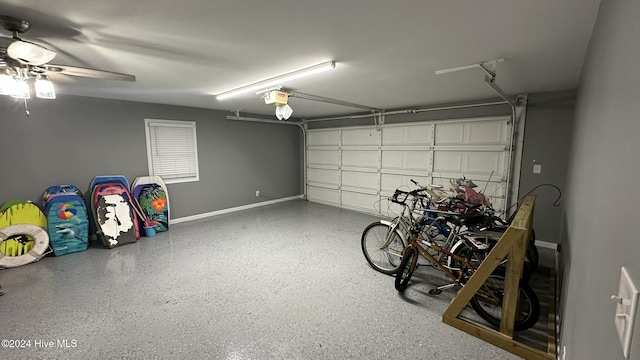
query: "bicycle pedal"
435, 292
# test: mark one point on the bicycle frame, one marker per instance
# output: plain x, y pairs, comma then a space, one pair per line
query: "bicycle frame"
488, 294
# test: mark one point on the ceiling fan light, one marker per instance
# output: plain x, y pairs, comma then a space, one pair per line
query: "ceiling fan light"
7, 84
21, 90
29, 53
44, 88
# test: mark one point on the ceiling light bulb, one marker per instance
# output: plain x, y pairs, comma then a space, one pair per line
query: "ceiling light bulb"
283, 112
7, 84
44, 88
21, 90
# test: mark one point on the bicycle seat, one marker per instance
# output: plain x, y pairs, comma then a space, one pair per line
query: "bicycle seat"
464, 219
468, 205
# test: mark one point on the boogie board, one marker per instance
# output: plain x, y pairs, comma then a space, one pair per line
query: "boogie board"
141, 180
104, 179
115, 220
153, 203
68, 224
20, 212
101, 179
59, 189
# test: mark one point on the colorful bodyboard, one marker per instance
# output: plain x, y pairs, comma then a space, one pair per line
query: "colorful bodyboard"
153, 203
142, 180
115, 220
59, 189
108, 179
68, 223
20, 212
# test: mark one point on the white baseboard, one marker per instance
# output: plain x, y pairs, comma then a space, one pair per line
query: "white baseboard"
547, 245
234, 209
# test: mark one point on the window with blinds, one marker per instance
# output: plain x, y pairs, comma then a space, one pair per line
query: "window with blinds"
172, 150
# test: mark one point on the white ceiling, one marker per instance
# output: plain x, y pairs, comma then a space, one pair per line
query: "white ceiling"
386, 51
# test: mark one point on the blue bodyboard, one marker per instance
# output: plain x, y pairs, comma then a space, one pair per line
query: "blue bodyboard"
67, 224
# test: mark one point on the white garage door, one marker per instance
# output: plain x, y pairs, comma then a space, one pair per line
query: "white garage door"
359, 167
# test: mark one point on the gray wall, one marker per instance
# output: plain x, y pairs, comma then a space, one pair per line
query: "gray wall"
602, 214
547, 140
72, 139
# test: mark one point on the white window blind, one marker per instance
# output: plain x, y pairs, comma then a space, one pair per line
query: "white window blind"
172, 150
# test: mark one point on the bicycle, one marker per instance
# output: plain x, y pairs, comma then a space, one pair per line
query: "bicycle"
487, 302
487, 226
382, 241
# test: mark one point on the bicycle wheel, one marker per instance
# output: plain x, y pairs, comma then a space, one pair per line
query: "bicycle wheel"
528, 311
405, 271
462, 249
382, 247
530, 260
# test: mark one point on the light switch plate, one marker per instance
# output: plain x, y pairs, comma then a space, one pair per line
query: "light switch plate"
537, 169
626, 308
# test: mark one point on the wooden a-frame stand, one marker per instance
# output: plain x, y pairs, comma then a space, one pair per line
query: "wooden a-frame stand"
511, 244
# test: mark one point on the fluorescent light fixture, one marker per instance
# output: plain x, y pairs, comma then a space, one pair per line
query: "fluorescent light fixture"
277, 80
44, 88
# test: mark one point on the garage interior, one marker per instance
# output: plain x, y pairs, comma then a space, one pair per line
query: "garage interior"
281, 274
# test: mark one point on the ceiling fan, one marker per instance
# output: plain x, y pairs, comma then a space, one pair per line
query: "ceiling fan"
32, 60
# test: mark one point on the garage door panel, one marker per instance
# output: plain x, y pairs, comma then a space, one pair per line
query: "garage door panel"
415, 135
363, 180
323, 138
406, 160
360, 159
449, 134
355, 137
360, 201
483, 162
484, 133
390, 182
355, 167
444, 161
323, 195
324, 176
323, 157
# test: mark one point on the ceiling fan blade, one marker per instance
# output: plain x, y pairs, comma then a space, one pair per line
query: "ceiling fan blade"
85, 72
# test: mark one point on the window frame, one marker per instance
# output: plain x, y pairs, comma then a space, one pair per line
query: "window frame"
148, 123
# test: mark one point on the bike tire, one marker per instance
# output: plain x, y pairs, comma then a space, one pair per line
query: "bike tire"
383, 254
528, 311
405, 270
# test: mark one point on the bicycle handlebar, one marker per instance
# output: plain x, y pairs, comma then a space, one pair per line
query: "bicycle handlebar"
400, 196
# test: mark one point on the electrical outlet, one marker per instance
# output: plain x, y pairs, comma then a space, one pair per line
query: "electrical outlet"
257, 192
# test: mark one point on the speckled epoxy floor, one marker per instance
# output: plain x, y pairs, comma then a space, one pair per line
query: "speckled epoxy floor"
285, 281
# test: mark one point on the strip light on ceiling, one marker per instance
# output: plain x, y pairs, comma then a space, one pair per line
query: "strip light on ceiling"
277, 80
